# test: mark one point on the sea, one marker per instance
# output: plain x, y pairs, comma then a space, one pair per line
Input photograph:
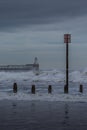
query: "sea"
42, 110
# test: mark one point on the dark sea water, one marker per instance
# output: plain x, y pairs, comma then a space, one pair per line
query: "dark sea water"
42, 115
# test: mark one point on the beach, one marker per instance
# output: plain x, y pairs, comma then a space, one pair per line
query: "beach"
42, 115
49, 92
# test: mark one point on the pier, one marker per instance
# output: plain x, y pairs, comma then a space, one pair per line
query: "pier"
34, 66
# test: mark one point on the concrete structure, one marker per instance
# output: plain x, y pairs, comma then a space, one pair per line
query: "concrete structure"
34, 66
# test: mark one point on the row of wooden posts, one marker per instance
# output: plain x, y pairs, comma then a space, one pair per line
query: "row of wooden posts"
80, 89
33, 89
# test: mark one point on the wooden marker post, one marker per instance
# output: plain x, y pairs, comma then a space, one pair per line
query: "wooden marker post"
67, 39
33, 89
49, 89
81, 88
15, 87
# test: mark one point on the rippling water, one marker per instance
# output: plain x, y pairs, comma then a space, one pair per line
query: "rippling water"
37, 115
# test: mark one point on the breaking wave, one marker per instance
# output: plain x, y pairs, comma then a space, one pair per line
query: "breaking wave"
46, 77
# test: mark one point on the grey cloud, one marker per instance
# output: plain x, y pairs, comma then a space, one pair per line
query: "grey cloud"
14, 13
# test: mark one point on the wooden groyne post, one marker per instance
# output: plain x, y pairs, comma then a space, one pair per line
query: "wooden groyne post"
81, 88
33, 89
49, 89
15, 87
65, 89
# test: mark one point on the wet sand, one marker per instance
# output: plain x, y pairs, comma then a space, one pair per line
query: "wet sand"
42, 115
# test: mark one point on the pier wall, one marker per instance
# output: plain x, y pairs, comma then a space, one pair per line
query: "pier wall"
19, 67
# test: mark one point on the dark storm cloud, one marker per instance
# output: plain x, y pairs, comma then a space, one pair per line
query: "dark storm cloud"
27, 12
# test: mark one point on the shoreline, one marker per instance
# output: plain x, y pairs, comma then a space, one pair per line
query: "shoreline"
21, 96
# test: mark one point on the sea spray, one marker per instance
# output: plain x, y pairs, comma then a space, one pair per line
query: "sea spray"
55, 78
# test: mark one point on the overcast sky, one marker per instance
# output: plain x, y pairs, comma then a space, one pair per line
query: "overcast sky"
35, 28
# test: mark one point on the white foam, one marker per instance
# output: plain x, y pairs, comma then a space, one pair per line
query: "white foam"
54, 77
75, 76
44, 97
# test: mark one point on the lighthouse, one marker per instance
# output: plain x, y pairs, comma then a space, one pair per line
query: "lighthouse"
36, 60
36, 66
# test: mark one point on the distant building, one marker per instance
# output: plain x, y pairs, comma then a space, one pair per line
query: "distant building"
34, 66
